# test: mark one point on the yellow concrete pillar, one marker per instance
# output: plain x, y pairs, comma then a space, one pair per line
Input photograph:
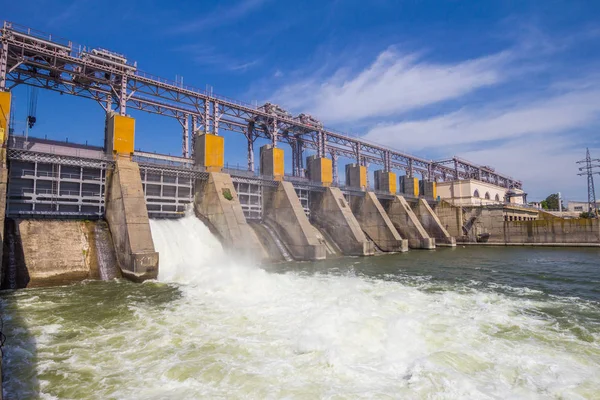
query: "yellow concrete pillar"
415, 184
210, 152
5, 98
272, 162
321, 171
356, 176
120, 134
386, 181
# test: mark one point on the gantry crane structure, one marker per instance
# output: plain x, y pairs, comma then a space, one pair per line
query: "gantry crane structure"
34, 58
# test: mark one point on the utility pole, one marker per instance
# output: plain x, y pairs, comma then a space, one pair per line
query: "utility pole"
590, 164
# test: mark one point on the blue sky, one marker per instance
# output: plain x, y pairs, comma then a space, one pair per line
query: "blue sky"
512, 84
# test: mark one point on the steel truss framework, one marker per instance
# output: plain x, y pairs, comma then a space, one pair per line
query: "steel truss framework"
33, 58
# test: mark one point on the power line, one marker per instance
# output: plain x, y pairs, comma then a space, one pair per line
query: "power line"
588, 169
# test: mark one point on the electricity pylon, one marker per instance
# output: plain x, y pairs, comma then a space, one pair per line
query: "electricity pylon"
588, 169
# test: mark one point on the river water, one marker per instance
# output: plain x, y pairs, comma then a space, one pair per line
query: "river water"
470, 323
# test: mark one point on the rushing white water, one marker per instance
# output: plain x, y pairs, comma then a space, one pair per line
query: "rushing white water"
291, 334
221, 328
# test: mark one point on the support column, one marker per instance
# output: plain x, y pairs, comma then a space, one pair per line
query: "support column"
428, 189
409, 186
5, 104
206, 120
385, 181
209, 152
271, 162
194, 133
185, 143
356, 176
294, 146
120, 135
3, 68
216, 118
334, 168
250, 154
320, 170
123, 96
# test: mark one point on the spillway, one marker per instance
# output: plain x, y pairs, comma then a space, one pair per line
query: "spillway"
395, 326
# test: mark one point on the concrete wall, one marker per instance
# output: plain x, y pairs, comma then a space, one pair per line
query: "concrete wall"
545, 229
128, 221
52, 252
407, 223
330, 212
283, 212
432, 224
550, 230
376, 224
216, 202
451, 218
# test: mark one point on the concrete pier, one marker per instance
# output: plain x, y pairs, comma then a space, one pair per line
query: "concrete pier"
376, 224
216, 203
409, 186
428, 189
271, 162
5, 103
356, 176
432, 224
330, 212
320, 170
127, 218
407, 223
283, 212
385, 181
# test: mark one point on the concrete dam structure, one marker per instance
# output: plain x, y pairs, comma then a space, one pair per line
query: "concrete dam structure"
105, 197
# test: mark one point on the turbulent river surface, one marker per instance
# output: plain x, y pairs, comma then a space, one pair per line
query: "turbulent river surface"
469, 323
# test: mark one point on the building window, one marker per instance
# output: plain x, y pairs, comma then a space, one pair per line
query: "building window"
579, 208
497, 197
487, 195
476, 194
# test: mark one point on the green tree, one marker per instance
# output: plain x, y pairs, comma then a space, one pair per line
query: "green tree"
544, 204
552, 202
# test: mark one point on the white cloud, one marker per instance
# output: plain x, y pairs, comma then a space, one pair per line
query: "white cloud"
394, 83
545, 165
554, 113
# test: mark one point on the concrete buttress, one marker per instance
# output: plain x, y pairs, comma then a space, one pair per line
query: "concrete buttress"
217, 203
330, 212
407, 223
376, 224
127, 219
283, 212
433, 225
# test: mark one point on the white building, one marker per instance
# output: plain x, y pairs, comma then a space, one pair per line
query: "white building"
580, 206
474, 192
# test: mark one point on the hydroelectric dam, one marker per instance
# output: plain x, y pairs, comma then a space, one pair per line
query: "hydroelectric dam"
50, 186
375, 298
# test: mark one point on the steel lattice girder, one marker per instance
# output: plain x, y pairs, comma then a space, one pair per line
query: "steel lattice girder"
24, 155
56, 66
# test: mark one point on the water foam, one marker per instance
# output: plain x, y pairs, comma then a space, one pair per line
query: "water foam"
237, 331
